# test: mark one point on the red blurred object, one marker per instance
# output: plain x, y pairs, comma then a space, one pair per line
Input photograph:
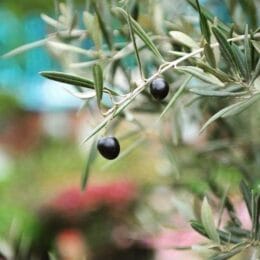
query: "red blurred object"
70, 244
73, 201
21, 133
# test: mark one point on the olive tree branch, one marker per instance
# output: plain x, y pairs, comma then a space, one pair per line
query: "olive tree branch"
123, 103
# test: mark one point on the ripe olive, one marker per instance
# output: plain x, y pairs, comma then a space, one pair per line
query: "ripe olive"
108, 147
159, 88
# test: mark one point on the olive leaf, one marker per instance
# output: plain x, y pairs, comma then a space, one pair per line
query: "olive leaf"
208, 221
204, 27
90, 159
140, 32
74, 80
248, 53
256, 45
200, 74
255, 214
240, 60
129, 21
128, 49
225, 48
222, 76
126, 152
257, 71
175, 96
24, 48
246, 192
50, 21
98, 80
68, 47
102, 25
183, 39
232, 110
215, 93
73, 22
229, 254
92, 24
209, 54
68, 79
224, 236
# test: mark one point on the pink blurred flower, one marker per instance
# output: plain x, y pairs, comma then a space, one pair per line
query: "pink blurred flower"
114, 195
172, 239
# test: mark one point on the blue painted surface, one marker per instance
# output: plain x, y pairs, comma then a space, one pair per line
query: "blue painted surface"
218, 8
19, 74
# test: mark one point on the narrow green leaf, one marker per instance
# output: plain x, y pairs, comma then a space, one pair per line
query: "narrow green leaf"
204, 27
96, 33
215, 93
232, 110
246, 192
222, 76
73, 22
140, 32
126, 152
129, 21
241, 106
24, 48
208, 221
92, 25
199, 228
68, 79
200, 74
256, 73
98, 79
209, 54
256, 45
103, 27
240, 60
90, 160
175, 96
255, 214
183, 39
128, 50
248, 53
227, 255
73, 80
224, 236
68, 48
50, 21
225, 48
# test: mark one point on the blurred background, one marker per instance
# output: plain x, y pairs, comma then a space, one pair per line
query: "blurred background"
43, 212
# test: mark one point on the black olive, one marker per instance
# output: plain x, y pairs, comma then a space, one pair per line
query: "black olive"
108, 147
159, 88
